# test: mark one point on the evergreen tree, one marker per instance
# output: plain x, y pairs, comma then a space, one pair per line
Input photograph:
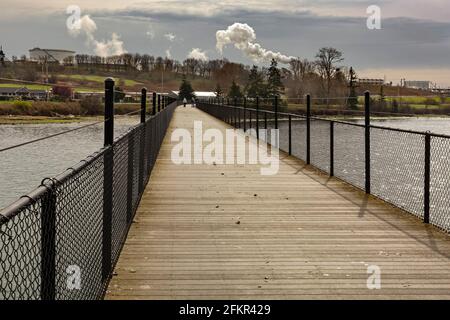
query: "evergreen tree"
275, 86
218, 91
256, 86
382, 98
352, 101
119, 94
186, 91
235, 91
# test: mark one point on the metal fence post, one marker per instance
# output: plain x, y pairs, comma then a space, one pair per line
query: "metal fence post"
308, 129
239, 115
331, 148
276, 111
426, 196
290, 135
245, 117
130, 174
143, 104
265, 121
48, 246
257, 118
235, 112
367, 138
108, 179
159, 103
154, 103
142, 140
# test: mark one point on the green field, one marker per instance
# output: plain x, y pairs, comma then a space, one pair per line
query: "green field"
99, 79
29, 86
45, 87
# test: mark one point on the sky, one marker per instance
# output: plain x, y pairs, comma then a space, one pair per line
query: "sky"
413, 42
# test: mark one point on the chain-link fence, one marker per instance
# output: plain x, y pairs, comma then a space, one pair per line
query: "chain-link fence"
62, 240
403, 167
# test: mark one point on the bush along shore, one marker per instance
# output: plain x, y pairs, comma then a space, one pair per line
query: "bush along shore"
86, 107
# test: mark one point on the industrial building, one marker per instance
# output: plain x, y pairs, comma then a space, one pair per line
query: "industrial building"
51, 55
422, 85
374, 82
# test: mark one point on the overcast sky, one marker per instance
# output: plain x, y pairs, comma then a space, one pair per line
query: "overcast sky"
413, 43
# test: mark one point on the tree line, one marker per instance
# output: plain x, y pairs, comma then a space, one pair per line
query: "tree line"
324, 76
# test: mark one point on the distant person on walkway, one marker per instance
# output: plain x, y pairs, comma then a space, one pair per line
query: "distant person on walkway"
193, 102
184, 102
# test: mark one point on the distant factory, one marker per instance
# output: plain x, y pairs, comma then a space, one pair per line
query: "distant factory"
421, 85
373, 82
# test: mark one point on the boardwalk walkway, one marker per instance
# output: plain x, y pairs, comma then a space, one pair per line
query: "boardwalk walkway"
226, 232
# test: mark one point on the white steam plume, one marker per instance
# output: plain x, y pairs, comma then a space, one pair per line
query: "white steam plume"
244, 39
170, 36
198, 54
101, 48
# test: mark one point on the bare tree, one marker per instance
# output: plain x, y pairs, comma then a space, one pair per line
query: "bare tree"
302, 74
327, 58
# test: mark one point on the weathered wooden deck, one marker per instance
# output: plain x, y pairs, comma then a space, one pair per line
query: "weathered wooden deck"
301, 236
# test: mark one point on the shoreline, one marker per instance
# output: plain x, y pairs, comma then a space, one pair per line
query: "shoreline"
19, 120
22, 120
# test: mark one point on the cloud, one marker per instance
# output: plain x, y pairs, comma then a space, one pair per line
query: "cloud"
243, 37
170, 36
87, 26
198, 54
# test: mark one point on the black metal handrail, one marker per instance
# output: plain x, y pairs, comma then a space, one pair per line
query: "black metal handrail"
322, 150
81, 217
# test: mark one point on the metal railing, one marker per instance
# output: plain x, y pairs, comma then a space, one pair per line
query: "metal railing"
406, 168
62, 240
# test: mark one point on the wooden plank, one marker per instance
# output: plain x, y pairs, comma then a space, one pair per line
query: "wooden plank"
227, 232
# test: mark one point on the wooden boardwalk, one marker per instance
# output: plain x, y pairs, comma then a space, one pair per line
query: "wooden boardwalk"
226, 232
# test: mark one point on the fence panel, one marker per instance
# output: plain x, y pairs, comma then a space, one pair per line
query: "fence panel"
79, 232
299, 137
440, 183
283, 127
397, 168
120, 193
20, 254
349, 156
320, 144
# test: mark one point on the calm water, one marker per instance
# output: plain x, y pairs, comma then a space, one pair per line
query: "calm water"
22, 169
435, 125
